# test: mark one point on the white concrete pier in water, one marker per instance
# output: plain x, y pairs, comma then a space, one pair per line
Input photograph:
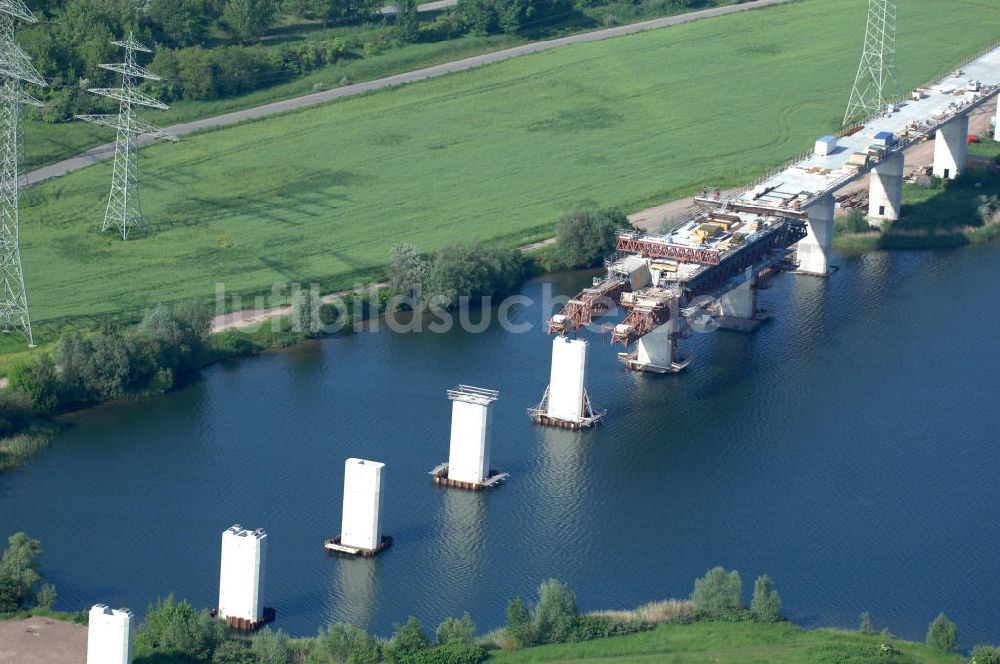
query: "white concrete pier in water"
361, 518
241, 577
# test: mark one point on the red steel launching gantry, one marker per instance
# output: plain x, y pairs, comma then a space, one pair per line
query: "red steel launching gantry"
590, 303
648, 309
654, 278
634, 243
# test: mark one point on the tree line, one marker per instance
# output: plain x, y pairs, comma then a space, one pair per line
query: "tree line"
174, 631
211, 49
117, 363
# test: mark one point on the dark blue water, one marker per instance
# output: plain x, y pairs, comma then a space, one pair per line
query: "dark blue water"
849, 449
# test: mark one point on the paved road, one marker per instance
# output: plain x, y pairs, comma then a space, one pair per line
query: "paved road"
389, 10
105, 151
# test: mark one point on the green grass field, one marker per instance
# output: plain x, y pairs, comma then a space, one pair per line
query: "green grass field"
48, 143
53, 142
493, 154
728, 643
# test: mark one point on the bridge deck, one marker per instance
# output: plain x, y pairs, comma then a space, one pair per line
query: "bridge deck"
814, 176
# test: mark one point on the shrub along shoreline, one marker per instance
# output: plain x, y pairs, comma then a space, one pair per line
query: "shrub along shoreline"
172, 343
173, 631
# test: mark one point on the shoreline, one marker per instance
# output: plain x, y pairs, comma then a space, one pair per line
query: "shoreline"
66, 631
17, 449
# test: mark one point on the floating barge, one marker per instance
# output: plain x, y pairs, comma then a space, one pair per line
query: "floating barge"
333, 545
440, 475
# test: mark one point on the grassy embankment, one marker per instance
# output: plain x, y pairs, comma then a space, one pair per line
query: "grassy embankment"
78, 617
944, 214
731, 643
494, 154
699, 643
48, 143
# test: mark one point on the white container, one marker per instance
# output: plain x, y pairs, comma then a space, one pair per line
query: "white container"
825, 146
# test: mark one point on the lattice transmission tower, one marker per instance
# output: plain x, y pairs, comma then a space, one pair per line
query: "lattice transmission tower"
124, 211
15, 70
876, 83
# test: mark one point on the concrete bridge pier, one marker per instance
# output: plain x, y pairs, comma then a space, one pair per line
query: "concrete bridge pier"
885, 197
996, 128
951, 148
741, 302
657, 351
814, 249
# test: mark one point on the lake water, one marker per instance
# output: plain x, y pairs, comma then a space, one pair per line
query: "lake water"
849, 449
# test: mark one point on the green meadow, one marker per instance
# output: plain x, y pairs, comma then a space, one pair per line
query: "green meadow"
733, 643
494, 154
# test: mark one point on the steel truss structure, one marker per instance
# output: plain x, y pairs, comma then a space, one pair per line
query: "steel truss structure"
15, 70
124, 211
876, 83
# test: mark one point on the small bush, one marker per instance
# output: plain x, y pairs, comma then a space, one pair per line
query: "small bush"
718, 593
588, 628
985, 655
270, 647
456, 630
556, 612
473, 271
233, 652
15, 411
519, 626
343, 643
176, 629
584, 237
449, 653
766, 604
854, 221
408, 640
866, 624
942, 634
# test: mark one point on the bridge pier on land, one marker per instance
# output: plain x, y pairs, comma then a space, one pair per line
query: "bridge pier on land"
886, 189
814, 249
996, 127
951, 148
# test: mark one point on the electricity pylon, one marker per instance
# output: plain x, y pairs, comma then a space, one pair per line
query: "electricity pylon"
15, 70
876, 83
124, 210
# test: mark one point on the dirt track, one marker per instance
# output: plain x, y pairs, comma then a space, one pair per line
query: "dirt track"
42, 641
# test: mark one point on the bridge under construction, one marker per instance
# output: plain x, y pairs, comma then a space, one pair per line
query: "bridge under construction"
709, 266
